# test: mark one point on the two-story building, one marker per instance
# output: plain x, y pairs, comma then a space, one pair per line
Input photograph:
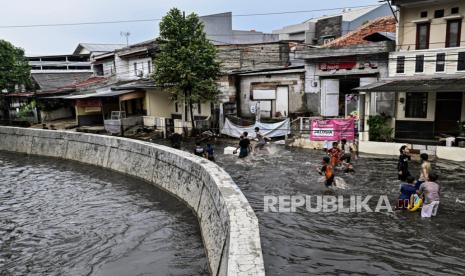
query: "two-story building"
427, 70
324, 29
358, 58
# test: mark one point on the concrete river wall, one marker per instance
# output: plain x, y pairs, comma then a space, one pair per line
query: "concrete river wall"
228, 224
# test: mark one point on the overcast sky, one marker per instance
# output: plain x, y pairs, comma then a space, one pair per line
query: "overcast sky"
63, 40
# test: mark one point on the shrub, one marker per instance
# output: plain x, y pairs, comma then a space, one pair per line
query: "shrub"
379, 128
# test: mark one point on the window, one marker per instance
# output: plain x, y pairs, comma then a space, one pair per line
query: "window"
424, 14
455, 10
328, 40
199, 105
453, 37
423, 36
149, 65
438, 13
461, 62
400, 64
419, 63
135, 68
416, 105
440, 62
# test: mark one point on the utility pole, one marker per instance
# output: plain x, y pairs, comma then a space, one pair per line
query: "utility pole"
125, 34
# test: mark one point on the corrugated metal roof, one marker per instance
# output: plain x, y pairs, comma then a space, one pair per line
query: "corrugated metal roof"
107, 93
51, 81
446, 84
97, 47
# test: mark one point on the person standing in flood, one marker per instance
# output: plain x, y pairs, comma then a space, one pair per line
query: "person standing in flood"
261, 140
425, 170
327, 171
402, 165
431, 190
244, 145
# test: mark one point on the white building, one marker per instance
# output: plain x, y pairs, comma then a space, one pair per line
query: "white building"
320, 30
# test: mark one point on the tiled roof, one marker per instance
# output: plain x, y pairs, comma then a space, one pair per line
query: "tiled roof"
356, 37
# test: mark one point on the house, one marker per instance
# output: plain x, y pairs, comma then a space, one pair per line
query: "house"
55, 71
427, 71
53, 76
334, 70
277, 92
129, 70
237, 50
321, 30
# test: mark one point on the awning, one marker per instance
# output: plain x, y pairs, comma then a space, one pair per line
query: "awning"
108, 93
415, 85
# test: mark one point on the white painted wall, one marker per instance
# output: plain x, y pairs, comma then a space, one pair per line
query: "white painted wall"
294, 82
431, 108
451, 153
429, 64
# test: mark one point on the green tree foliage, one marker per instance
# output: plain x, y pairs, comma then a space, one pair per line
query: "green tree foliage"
186, 62
380, 130
14, 67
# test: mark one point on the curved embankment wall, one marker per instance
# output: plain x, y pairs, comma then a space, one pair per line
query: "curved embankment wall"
228, 224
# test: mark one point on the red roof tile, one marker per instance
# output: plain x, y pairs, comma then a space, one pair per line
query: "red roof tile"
356, 37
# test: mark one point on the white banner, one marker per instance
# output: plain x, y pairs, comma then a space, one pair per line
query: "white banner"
270, 130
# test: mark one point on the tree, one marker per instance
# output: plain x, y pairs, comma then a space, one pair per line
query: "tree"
14, 71
14, 67
186, 61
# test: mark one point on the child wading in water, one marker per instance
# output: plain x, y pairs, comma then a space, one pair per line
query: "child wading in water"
334, 153
346, 156
327, 171
244, 146
210, 152
425, 170
199, 150
432, 192
261, 140
406, 192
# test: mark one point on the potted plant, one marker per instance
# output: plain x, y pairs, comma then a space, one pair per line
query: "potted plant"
461, 128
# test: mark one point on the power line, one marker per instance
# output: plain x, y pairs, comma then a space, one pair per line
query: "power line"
159, 19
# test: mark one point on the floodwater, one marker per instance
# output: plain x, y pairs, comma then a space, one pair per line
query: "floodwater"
64, 218
305, 243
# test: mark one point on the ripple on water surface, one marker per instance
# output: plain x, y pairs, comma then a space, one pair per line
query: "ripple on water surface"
398, 243
64, 218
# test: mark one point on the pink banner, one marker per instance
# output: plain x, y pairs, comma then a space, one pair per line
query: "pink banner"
332, 130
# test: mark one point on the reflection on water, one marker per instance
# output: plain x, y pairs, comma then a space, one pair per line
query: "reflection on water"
305, 243
64, 218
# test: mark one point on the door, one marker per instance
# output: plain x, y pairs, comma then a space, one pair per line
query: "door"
282, 101
330, 97
448, 112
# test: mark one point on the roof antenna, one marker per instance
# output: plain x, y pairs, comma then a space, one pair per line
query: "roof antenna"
125, 34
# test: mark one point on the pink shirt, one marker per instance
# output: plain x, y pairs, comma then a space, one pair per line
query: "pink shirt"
431, 191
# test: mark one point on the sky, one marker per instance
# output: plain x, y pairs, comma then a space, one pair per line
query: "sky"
64, 39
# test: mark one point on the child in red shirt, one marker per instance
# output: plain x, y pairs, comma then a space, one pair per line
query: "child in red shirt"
334, 154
